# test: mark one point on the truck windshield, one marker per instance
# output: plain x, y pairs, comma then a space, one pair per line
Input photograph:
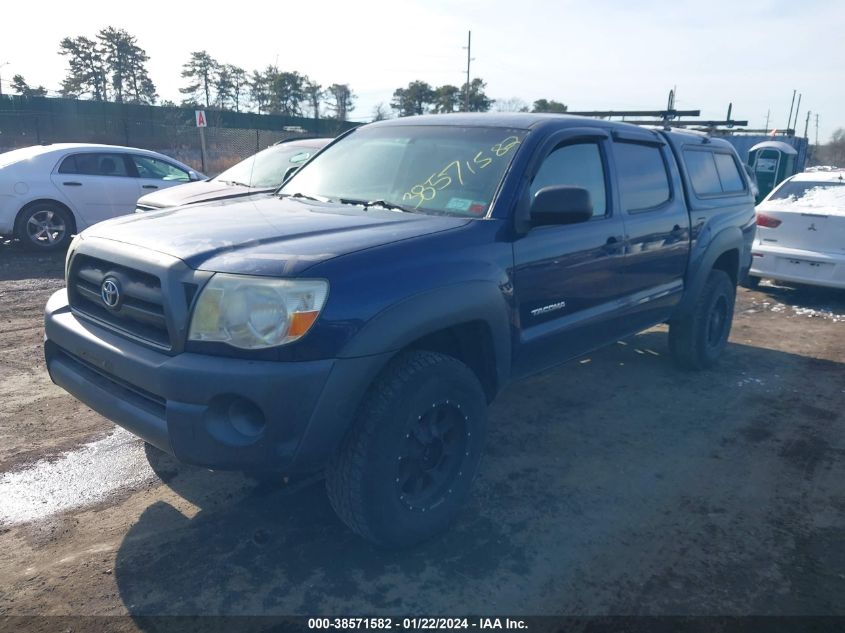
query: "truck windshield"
443, 170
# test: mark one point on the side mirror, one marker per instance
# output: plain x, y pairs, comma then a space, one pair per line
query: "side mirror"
193, 176
290, 171
561, 205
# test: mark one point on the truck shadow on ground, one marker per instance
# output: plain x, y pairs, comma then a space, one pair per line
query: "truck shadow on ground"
290, 544
578, 508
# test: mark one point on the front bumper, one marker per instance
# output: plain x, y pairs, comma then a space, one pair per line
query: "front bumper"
798, 266
193, 405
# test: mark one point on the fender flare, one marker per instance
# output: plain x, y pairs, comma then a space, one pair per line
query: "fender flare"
729, 238
416, 316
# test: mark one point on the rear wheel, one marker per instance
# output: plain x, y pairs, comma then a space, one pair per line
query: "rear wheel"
751, 282
697, 339
44, 226
404, 470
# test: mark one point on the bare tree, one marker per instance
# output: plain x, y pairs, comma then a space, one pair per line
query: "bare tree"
380, 112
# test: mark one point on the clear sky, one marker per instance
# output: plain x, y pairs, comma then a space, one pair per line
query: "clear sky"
596, 54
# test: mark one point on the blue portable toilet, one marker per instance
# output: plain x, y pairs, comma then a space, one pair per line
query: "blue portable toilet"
772, 162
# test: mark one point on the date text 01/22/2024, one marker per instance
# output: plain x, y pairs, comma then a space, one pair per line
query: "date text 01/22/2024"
423, 623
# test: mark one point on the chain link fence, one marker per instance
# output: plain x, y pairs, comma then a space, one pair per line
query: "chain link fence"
230, 136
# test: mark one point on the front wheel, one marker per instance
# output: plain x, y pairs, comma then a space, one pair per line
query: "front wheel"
697, 339
403, 472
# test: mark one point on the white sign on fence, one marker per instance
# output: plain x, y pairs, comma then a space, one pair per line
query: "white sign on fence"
200, 114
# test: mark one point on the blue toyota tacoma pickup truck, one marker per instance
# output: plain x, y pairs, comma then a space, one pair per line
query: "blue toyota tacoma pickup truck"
360, 320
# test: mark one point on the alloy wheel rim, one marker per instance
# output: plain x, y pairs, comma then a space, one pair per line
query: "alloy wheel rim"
45, 227
716, 323
432, 456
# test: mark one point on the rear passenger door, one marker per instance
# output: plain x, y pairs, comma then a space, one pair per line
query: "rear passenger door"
99, 185
657, 226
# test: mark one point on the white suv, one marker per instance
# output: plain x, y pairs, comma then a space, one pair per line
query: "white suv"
50, 192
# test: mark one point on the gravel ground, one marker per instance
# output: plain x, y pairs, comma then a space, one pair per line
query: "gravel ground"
614, 484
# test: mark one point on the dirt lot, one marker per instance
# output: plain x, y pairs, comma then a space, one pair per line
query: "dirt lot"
613, 485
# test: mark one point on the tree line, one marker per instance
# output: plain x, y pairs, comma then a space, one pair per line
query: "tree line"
269, 91
420, 97
112, 66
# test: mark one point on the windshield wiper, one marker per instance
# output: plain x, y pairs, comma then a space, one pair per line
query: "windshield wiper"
235, 182
376, 203
303, 196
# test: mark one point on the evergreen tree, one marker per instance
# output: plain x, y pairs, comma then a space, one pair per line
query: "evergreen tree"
341, 101
126, 66
414, 99
86, 69
20, 86
314, 95
546, 105
478, 100
447, 99
201, 70
287, 93
259, 89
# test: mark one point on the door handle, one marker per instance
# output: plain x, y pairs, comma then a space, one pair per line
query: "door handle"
150, 186
613, 245
72, 184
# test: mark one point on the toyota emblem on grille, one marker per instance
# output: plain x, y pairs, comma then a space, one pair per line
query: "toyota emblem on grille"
110, 292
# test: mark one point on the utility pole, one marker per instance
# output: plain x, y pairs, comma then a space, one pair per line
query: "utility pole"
807, 124
817, 129
795, 125
791, 105
768, 114
1, 77
469, 59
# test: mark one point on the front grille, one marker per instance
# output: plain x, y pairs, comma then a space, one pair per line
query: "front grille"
140, 311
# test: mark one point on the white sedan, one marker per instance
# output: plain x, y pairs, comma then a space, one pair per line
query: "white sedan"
801, 232
50, 192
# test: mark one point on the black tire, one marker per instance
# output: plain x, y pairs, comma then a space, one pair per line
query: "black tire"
697, 340
751, 282
44, 226
429, 410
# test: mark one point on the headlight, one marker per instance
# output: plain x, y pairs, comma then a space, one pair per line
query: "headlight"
256, 312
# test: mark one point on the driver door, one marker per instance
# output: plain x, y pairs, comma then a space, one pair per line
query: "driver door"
567, 278
154, 174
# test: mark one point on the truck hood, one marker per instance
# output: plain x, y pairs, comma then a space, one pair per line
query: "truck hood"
266, 235
193, 192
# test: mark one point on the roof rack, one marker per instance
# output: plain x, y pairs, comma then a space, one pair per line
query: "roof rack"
670, 117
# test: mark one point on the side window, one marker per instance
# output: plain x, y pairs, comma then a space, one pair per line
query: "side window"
158, 169
68, 165
643, 181
578, 165
702, 172
94, 164
732, 182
